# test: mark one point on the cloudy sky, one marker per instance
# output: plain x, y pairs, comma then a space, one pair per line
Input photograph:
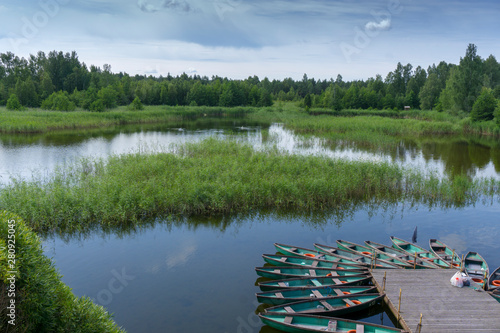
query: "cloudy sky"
239, 38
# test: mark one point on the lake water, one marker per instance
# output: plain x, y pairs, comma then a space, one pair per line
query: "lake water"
197, 274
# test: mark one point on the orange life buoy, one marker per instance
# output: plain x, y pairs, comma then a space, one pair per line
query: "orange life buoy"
346, 293
496, 283
477, 280
367, 253
343, 281
351, 331
456, 265
329, 274
310, 255
340, 267
355, 301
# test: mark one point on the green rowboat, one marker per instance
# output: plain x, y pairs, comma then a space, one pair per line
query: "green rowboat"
390, 251
279, 297
298, 323
310, 283
338, 305
359, 258
411, 249
445, 253
494, 280
476, 268
369, 251
280, 272
284, 260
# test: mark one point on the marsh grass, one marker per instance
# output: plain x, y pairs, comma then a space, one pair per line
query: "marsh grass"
43, 302
38, 121
214, 177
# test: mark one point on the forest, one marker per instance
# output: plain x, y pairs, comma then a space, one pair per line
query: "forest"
60, 81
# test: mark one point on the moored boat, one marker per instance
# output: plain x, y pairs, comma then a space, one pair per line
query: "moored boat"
315, 282
338, 305
284, 260
390, 251
445, 253
476, 268
412, 249
299, 323
278, 297
360, 258
281, 272
369, 251
494, 280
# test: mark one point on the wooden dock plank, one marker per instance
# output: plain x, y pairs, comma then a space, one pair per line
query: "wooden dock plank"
444, 308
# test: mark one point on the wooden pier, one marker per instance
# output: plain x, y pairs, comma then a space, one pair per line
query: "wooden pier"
444, 308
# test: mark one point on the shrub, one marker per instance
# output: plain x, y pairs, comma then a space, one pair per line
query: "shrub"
13, 103
43, 303
97, 106
484, 106
58, 101
136, 104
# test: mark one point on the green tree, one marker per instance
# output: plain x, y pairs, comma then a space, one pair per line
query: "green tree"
429, 94
136, 104
466, 84
108, 96
307, 101
13, 103
58, 101
26, 92
484, 106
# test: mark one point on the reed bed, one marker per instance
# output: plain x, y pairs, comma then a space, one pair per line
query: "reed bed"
214, 177
39, 121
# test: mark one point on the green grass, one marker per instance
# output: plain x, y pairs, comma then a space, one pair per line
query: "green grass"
43, 303
215, 177
39, 121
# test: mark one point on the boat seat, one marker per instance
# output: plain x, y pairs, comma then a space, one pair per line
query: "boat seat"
317, 293
326, 305
282, 284
288, 320
403, 244
339, 292
316, 282
360, 328
315, 263
279, 295
474, 260
289, 309
282, 259
349, 302
312, 272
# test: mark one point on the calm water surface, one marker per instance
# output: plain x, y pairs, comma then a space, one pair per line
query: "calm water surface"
198, 274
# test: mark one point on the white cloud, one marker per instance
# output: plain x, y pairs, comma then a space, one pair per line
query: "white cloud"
146, 7
378, 26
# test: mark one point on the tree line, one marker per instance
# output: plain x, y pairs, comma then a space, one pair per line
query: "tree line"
59, 81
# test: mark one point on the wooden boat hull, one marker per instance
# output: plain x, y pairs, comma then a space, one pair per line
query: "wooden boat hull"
411, 249
494, 280
390, 251
360, 258
366, 250
280, 272
476, 267
310, 283
339, 305
445, 253
298, 323
300, 294
285, 260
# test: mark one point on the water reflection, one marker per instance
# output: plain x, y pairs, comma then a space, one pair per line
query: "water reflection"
197, 274
37, 156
